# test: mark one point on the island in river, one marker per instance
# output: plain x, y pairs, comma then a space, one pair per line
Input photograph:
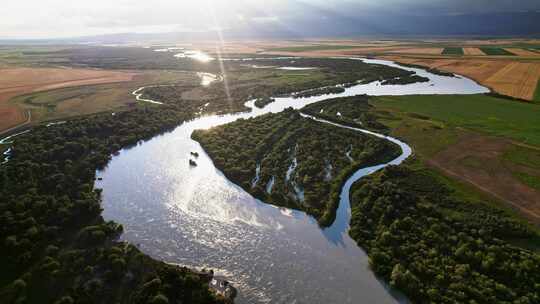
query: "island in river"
57, 248
53, 229
293, 161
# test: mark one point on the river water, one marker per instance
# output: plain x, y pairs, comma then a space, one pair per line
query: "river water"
194, 216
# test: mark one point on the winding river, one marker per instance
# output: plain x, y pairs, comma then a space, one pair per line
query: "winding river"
194, 216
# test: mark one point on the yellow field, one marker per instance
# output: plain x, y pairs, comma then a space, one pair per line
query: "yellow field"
522, 52
470, 51
421, 51
516, 79
513, 78
18, 81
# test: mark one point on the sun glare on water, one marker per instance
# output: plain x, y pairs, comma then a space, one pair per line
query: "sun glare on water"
195, 55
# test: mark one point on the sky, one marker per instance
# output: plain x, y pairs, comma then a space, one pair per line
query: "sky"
71, 18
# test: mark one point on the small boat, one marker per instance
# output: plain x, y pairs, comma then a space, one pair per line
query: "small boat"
195, 154
192, 163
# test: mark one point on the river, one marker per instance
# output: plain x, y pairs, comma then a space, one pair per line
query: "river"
194, 216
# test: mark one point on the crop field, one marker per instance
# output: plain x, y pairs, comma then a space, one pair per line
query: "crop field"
471, 51
452, 51
513, 78
68, 102
486, 114
425, 51
10, 117
323, 47
17, 81
489, 143
516, 79
494, 51
523, 52
537, 92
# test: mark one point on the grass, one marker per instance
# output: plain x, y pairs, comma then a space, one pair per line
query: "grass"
453, 51
523, 156
529, 180
491, 115
536, 96
71, 102
466, 192
496, 51
428, 137
313, 48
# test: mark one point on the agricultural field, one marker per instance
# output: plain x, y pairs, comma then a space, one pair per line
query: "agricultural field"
516, 60
471, 51
537, 92
452, 51
423, 51
484, 145
522, 52
495, 51
486, 114
321, 47
18, 81
513, 78
63, 103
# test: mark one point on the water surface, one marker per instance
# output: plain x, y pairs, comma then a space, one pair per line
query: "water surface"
194, 216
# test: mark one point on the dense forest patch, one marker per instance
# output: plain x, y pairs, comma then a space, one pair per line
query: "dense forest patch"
292, 161
452, 51
438, 248
55, 247
354, 111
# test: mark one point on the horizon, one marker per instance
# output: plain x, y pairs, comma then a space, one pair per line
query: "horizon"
58, 19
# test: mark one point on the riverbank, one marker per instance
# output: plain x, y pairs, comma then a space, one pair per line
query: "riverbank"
61, 243
298, 162
170, 205
274, 240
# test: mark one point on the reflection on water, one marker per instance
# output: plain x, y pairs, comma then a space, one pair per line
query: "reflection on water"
194, 216
195, 55
208, 78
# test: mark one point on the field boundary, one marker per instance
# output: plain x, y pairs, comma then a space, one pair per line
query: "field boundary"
18, 127
534, 215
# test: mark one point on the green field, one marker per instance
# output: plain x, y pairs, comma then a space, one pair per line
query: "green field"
453, 51
537, 92
63, 103
495, 116
314, 48
495, 51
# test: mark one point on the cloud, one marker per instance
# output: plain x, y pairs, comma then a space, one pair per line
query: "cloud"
65, 18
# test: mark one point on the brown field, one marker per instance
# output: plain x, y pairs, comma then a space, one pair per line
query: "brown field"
471, 51
63, 103
512, 78
422, 51
516, 79
10, 116
522, 52
337, 53
19, 81
478, 160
